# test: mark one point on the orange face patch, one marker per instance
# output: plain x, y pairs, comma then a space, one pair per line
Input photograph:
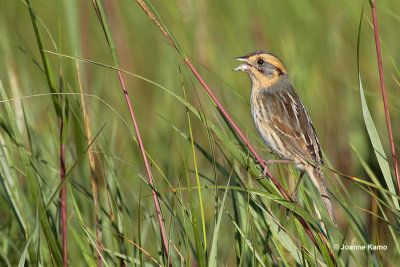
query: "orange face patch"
269, 59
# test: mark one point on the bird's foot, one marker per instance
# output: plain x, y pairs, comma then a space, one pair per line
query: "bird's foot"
264, 173
297, 188
270, 162
294, 197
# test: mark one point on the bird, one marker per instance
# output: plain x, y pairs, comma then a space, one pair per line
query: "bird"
283, 122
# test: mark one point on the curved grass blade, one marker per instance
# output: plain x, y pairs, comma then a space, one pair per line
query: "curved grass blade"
212, 259
24, 253
13, 202
377, 145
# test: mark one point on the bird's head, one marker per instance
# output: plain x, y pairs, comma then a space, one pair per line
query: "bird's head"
263, 67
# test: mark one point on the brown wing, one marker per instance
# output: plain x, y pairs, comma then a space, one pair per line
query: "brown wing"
286, 115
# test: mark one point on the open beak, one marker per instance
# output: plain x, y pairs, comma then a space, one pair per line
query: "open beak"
244, 67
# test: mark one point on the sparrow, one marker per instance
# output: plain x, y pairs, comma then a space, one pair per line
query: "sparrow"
282, 120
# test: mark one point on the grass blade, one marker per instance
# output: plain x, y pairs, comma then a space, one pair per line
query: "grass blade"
24, 253
212, 259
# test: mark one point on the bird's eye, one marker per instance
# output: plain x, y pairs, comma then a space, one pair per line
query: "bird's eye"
260, 61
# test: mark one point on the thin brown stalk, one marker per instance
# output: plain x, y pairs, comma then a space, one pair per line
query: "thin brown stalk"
139, 247
92, 167
63, 193
385, 104
229, 119
63, 196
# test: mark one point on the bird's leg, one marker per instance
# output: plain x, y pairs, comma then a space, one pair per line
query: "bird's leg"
270, 162
294, 193
297, 186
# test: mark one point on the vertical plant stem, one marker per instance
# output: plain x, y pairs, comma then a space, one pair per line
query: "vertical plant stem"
389, 126
63, 196
193, 217
92, 168
139, 219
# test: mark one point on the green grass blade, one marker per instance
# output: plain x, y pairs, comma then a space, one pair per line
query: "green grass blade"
197, 176
193, 214
212, 260
9, 192
377, 145
86, 253
45, 60
249, 245
24, 253
94, 244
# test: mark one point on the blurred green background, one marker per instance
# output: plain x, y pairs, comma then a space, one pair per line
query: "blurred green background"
316, 40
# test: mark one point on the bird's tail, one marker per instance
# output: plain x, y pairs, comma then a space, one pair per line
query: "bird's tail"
317, 176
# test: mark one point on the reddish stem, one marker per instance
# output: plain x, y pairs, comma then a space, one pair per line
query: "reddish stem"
149, 175
63, 197
98, 233
389, 126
